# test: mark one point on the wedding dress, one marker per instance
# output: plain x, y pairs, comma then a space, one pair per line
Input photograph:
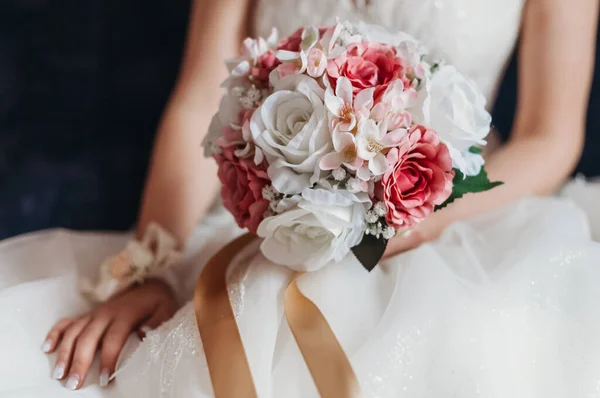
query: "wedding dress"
502, 305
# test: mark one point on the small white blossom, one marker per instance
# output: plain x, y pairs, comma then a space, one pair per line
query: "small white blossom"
373, 230
388, 232
371, 217
380, 209
253, 94
269, 193
354, 185
339, 174
246, 102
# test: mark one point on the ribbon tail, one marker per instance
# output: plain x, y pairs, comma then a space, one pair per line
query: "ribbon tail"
225, 356
328, 364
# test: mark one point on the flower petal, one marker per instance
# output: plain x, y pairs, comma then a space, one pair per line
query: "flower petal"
344, 90
394, 137
310, 37
284, 55
379, 164
331, 161
364, 99
333, 103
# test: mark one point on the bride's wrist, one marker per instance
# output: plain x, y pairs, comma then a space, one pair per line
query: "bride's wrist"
153, 256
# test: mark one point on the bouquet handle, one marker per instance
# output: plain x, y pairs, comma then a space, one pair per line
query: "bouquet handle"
225, 356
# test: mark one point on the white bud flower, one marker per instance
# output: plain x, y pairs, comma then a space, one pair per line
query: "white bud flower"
380, 209
269, 193
339, 174
371, 217
247, 102
388, 233
253, 94
354, 185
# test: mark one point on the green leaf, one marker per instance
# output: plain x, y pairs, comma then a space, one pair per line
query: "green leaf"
463, 185
475, 150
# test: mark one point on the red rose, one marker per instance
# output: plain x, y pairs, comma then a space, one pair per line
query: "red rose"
243, 182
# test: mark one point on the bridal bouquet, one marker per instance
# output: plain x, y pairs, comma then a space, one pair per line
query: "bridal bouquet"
339, 137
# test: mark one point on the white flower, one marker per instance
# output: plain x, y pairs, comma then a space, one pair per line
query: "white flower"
323, 227
355, 185
371, 217
473, 163
239, 68
269, 193
338, 174
380, 209
455, 109
388, 233
371, 140
291, 128
346, 109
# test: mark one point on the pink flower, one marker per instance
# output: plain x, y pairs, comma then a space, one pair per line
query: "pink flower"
366, 65
265, 64
420, 178
316, 62
233, 134
293, 42
243, 182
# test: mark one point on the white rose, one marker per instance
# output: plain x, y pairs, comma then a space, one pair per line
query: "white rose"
455, 109
323, 227
291, 128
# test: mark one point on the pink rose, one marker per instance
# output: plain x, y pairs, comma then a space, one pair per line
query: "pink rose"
420, 178
265, 64
367, 65
243, 182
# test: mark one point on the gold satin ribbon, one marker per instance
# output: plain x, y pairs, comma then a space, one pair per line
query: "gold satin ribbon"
225, 356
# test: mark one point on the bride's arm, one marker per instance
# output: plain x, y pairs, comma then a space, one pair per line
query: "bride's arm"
180, 188
555, 71
182, 183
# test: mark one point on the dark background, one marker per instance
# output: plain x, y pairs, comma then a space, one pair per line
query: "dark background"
82, 86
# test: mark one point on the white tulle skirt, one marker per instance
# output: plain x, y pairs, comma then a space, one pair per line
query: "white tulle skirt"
505, 305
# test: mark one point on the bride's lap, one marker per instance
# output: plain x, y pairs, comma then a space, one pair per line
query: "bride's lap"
515, 285
483, 292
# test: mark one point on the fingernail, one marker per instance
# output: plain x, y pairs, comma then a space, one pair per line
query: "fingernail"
73, 382
59, 371
47, 346
104, 377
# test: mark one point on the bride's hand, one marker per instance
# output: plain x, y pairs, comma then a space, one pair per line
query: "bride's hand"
106, 328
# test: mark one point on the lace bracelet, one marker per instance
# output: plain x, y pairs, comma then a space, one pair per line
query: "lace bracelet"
153, 256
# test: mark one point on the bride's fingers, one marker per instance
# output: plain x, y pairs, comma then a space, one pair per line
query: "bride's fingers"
53, 337
65, 347
85, 349
112, 344
162, 314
